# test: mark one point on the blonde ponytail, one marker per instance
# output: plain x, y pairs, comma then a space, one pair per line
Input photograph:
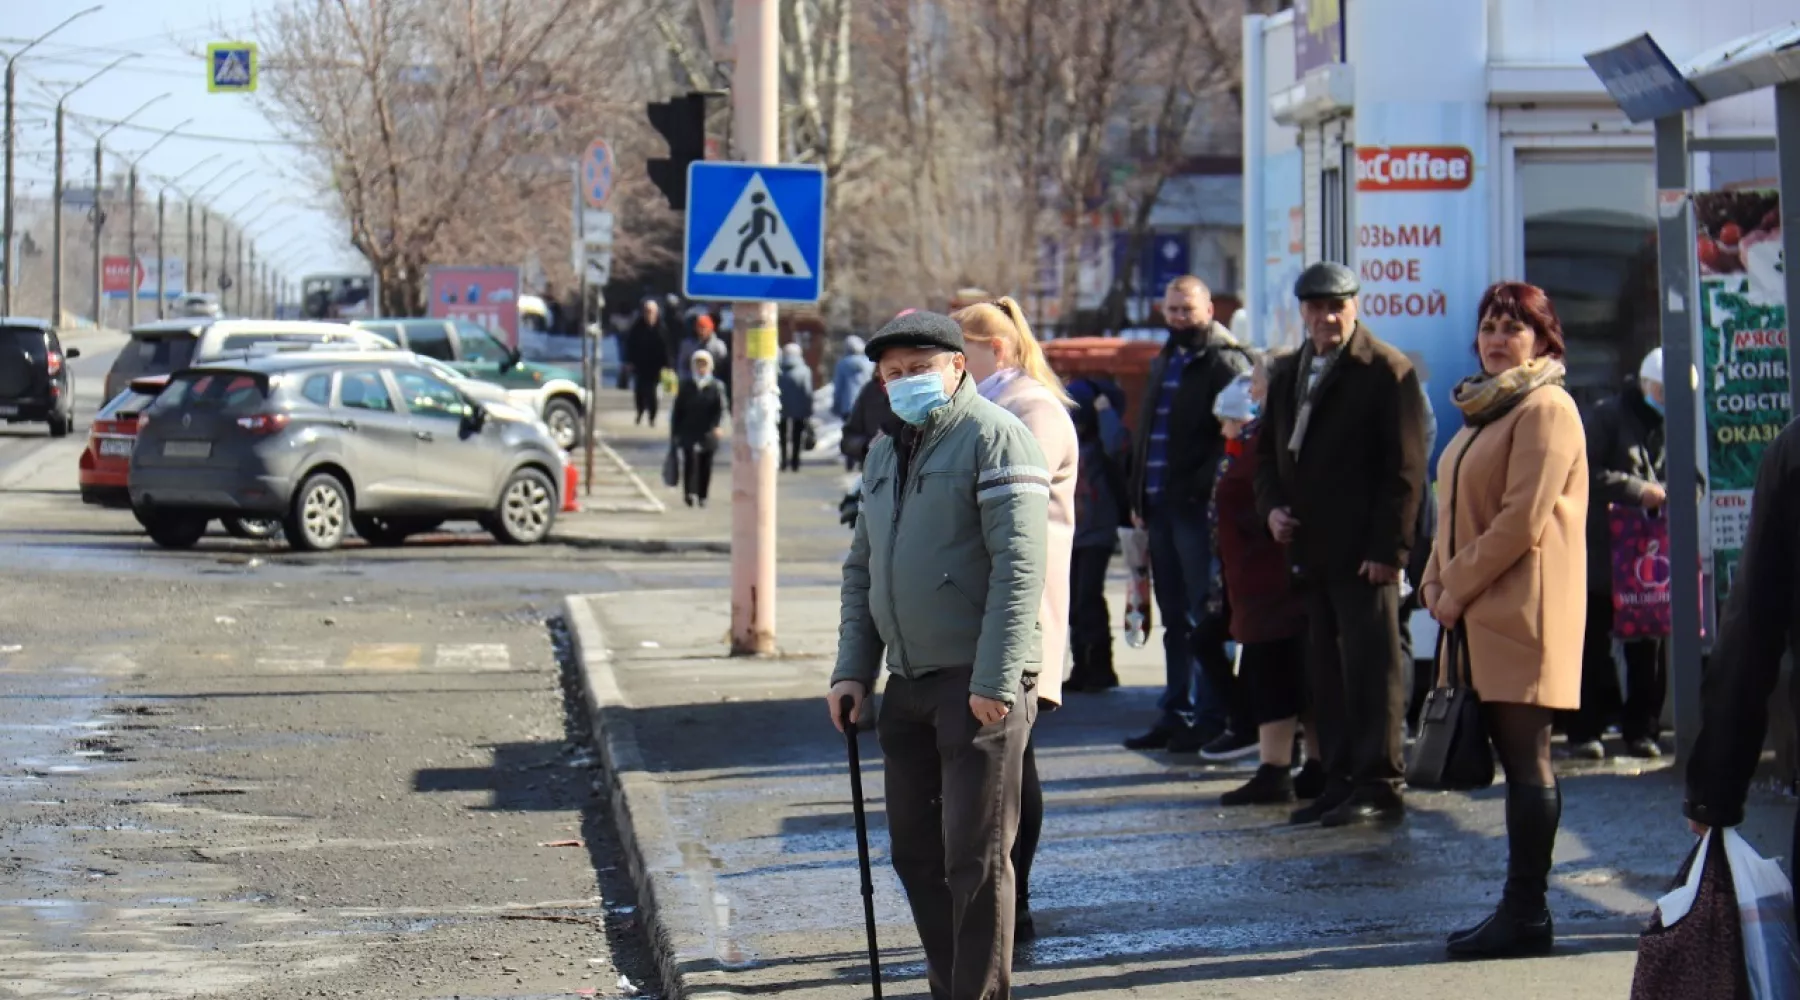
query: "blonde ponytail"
1003, 319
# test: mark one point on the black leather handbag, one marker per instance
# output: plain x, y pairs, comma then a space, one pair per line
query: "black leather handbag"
1452, 753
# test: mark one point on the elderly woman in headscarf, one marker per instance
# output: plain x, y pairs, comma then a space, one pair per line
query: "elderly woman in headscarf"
796, 386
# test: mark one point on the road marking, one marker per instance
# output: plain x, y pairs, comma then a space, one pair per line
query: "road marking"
474, 657
384, 656
291, 660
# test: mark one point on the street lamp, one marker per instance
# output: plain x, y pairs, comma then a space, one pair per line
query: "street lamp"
131, 224
12, 84
243, 234
56, 210
248, 173
97, 212
162, 260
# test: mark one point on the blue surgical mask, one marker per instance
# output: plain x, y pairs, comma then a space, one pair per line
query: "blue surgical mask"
1655, 404
915, 397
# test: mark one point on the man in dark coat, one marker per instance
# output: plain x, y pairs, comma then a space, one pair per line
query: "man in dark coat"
647, 354
1757, 627
1340, 474
1626, 454
1175, 461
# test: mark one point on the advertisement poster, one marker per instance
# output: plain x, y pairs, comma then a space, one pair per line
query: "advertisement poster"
1422, 237
1318, 34
117, 275
486, 296
1284, 236
1743, 356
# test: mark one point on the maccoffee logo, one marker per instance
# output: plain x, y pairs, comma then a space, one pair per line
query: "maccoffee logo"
1414, 168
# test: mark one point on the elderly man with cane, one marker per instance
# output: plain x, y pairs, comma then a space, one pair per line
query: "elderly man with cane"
945, 574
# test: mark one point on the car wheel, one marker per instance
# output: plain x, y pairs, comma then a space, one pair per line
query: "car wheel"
320, 515
255, 529
173, 529
381, 532
527, 509
564, 420
59, 425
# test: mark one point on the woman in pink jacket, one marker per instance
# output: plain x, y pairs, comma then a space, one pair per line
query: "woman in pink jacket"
1013, 373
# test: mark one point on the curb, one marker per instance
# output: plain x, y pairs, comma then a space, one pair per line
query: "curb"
652, 546
671, 903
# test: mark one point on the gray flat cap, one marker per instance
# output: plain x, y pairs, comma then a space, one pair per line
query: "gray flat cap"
916, 329
1326, 280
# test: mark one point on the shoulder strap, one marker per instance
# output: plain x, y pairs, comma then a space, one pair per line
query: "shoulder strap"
1462, 671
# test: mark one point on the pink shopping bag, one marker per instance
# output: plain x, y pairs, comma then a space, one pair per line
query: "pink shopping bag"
1640, 572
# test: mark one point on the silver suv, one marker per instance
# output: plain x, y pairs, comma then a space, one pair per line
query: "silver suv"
330, 445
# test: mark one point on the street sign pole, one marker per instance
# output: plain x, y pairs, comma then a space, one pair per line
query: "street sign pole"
755, 91
590, 364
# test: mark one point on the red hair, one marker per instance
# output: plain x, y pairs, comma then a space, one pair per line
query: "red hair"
1527, 304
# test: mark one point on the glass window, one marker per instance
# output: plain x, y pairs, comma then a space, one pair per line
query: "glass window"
228, 392
317, 389
246, 341
428, 397
1590, 242
364, 390
480, 345
430, 339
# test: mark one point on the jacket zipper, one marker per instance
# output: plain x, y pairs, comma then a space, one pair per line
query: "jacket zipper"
900, 490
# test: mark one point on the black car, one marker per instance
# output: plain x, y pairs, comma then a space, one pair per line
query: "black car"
36, 386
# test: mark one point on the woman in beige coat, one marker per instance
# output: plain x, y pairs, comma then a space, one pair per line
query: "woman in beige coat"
1508, 572
1010, 367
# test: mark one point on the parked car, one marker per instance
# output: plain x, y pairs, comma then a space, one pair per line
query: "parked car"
550, 391
203, 304
331, 444
36, 385
167, 346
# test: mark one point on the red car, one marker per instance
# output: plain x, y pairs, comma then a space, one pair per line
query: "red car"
106, 462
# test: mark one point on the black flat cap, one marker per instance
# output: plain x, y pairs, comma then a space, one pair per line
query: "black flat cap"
1327, 280
916, 329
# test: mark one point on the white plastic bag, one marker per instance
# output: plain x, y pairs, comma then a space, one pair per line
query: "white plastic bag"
1766, 910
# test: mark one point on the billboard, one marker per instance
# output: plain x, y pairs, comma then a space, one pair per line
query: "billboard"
1284, 250
119, 274
486, 296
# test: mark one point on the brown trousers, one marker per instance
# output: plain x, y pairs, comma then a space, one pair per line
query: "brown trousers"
953, 812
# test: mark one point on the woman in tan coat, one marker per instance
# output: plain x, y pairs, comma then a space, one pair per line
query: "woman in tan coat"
1508, 572
1009, 364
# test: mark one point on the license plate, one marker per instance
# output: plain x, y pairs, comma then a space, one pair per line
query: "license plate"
9, 411
116, 448
187, 449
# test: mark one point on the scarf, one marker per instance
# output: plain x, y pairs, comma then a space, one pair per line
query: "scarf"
1308, 391
992, 386
1486, 398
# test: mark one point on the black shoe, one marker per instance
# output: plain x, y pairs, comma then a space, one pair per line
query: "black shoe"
1367, 806
1155, 739
1310, 782
1643, 746
689, 498
1506, 934
1271, 785
1229, 746
1327, 800
1191, 739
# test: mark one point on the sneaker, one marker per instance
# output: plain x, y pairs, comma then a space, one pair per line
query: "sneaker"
1229, 746
1310, 782
1190, 740
1271, 785
1588, 750
1155, 739
1643, 746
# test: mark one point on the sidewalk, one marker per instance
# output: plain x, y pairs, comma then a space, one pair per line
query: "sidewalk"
731, 787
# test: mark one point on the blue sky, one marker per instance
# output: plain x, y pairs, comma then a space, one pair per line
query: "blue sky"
164, 34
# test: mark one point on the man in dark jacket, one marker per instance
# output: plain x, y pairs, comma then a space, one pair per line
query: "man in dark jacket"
1340, 473
1175, 461
1626, 454
1756, 628
647, 353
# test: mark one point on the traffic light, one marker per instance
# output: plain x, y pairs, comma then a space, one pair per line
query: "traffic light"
682, 121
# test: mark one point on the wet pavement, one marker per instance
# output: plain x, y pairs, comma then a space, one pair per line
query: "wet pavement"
1144, 886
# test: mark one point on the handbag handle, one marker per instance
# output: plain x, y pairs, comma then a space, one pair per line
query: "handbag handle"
1462, 671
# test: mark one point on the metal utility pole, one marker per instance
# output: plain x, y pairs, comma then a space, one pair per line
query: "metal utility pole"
98, 212
131, 299
56, 210
238, 281
6, 225
202, 286
162, 259
755, 91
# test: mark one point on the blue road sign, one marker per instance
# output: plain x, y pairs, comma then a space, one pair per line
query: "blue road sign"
755, 233
597, 174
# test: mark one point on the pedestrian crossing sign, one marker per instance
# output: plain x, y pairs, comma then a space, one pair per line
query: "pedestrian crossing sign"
754, 233
231, 67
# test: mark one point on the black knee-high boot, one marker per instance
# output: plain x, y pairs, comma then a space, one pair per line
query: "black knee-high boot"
1521, 925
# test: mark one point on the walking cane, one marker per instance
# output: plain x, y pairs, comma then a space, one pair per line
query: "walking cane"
862, 839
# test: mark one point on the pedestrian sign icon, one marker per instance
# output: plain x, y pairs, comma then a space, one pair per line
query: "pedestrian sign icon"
754, 232
232, 66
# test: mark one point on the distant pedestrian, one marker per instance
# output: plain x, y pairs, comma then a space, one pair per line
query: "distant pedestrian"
1340, 472
694, 423
1626, 455
796, 385
945, 577
853, 371
1015, 375
1176, 459
1756, 628
705, 339
867, 418
1268, 615
1102, 507
1506, 573
647, 353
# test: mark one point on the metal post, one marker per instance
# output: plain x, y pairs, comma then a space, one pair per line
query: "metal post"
246, 281
12, 79
237, 280
202, 286
1787, 130
162, 259
590, 362
56, 232
131, 250
99, 217
1675, 249
755, 336
187, 253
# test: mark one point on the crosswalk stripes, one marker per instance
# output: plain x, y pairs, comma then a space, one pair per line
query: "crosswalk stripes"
474, 657
386, 657
395, 657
